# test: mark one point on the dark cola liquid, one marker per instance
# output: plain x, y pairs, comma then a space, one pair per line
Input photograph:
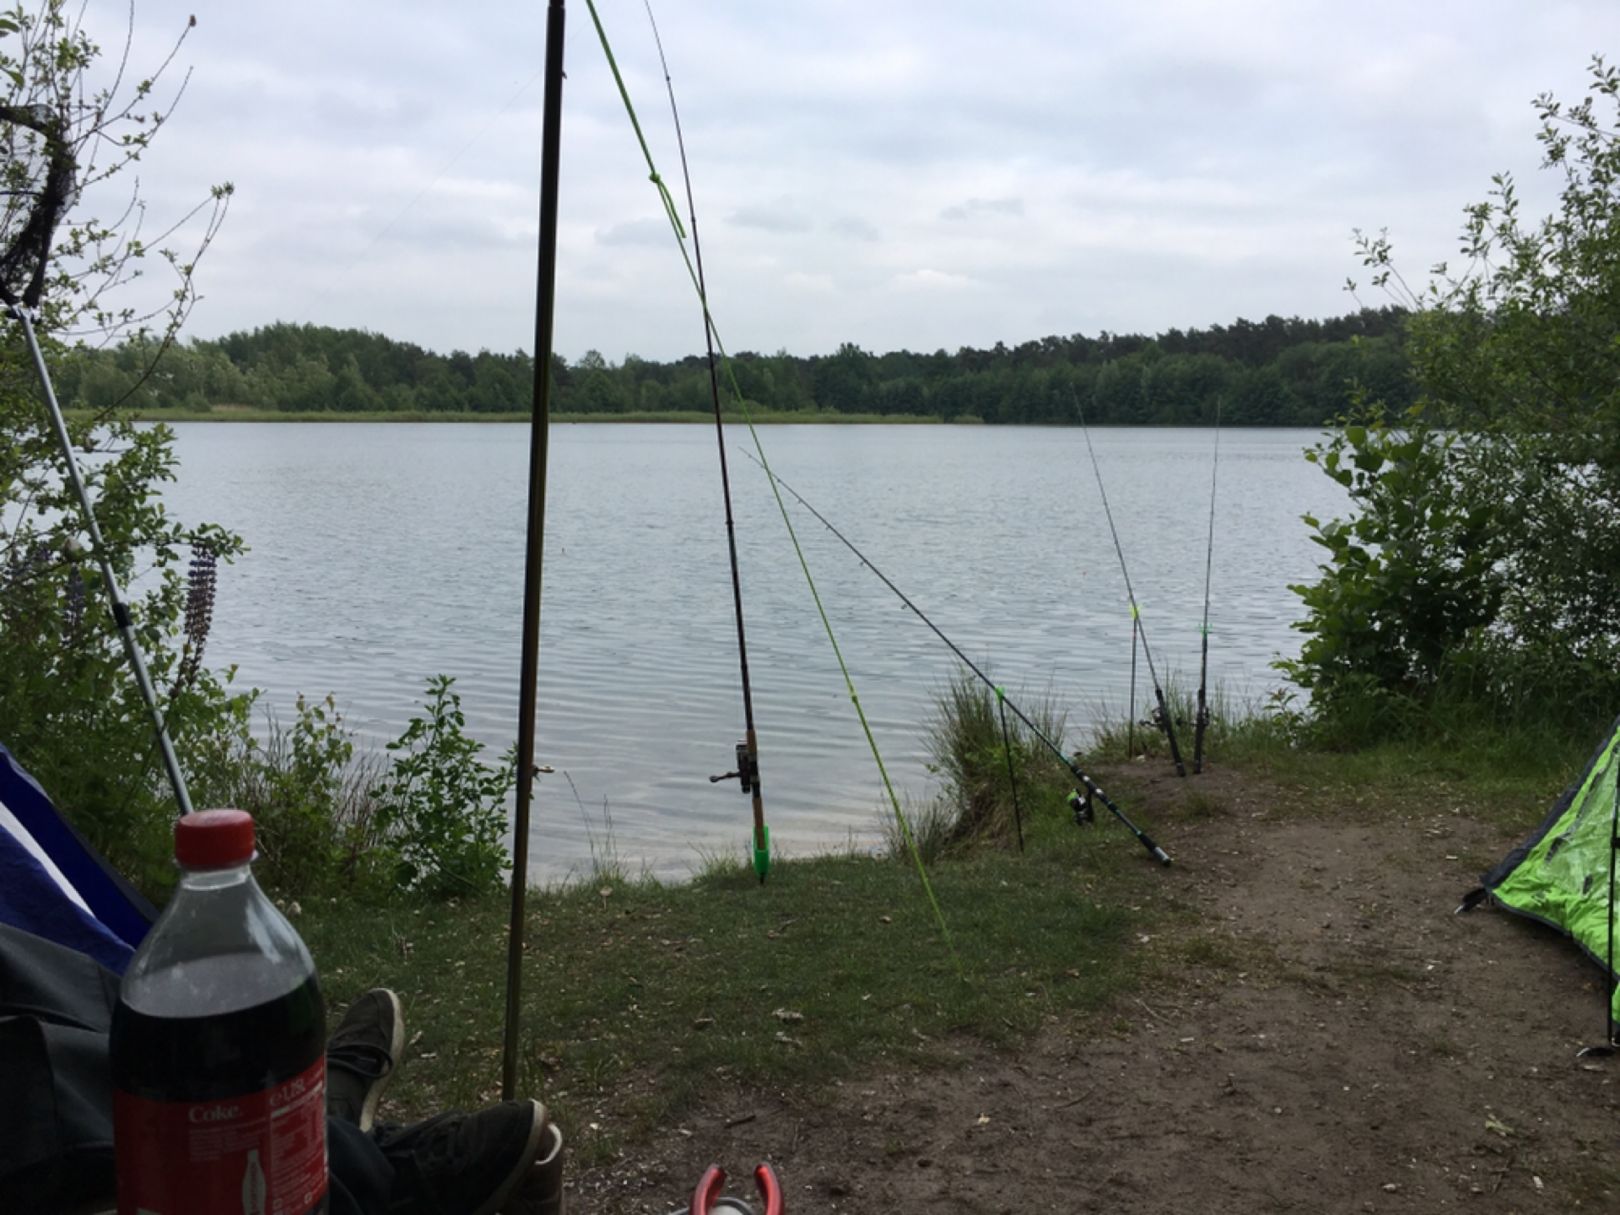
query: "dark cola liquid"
201, 1058
225, 1055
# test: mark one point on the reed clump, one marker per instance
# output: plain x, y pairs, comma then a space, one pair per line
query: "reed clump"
997, 777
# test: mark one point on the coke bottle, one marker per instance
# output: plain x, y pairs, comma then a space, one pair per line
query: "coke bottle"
218, 1046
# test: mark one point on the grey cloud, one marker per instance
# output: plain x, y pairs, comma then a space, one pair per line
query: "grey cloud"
854, 228
770, 219
974, 208
363, 113
1148, 158
635, 232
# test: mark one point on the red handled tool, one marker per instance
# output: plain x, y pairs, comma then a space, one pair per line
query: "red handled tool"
707, 1200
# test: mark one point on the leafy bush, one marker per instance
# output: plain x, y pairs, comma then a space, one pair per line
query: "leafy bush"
310, 797
442, 810
1483, 561
427, 815
68, 706
1411, 575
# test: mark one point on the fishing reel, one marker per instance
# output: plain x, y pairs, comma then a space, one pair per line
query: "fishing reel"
1080, 805
747, 769
1158, 721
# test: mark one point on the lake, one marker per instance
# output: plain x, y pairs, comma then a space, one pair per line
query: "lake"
383, 554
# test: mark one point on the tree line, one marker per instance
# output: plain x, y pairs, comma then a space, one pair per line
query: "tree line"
1275, 372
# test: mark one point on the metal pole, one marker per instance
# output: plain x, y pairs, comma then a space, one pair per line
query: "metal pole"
120, 609
539, 433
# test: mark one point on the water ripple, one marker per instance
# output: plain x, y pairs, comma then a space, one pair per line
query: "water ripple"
383, 554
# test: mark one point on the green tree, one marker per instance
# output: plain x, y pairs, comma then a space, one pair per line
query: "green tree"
1516, 526
69, 707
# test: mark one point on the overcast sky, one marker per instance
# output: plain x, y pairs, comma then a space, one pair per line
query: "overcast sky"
908, 174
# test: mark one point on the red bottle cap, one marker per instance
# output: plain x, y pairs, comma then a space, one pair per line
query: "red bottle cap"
214, 839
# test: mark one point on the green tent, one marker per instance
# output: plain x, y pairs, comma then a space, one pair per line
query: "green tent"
1564, 874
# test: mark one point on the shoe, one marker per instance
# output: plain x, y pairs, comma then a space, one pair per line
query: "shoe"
467, 1163
541, 1192
361, 1056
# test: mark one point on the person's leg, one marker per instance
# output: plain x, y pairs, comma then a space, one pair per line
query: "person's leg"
506, 1156
466, 1162
361, 1177
361, 1056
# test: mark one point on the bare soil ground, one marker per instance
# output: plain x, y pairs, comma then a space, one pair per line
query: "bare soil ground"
1327, 1036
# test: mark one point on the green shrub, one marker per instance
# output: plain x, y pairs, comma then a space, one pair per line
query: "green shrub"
1412, 574
427, 815
1478, 580
443, 809
310, 795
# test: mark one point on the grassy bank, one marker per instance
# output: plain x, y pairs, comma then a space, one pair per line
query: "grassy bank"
639, 997
771, 417
1499, 767
833, 966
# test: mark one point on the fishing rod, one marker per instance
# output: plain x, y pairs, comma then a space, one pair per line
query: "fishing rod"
1130, 722
1162, 715
23, 314
33, 242
534, 549
1201, 721
747, 773
1091, 786
1012, 775
673, 215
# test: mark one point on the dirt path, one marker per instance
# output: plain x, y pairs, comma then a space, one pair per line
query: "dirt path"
1334, 1039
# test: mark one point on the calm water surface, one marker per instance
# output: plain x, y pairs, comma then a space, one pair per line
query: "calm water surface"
383, 554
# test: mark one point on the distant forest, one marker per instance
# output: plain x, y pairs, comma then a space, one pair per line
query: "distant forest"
1275, 372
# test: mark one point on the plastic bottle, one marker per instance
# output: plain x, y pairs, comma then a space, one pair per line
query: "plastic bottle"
218, 1045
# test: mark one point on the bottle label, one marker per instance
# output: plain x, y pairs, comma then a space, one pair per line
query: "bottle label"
260, 1153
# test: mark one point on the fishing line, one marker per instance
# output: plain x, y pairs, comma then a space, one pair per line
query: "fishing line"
1164, 721
781, 506
376, 237
1092, 788
1201, 722
748, 753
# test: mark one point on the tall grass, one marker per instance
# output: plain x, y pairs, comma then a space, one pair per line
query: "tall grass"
1238, 729
312, 797
990, 778
606, 864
